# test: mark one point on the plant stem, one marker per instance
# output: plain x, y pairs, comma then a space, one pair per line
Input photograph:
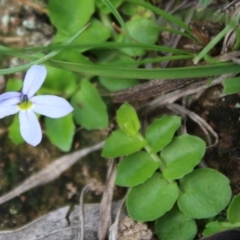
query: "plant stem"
154, 156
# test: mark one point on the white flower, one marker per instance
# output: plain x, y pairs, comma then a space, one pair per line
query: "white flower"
26, 104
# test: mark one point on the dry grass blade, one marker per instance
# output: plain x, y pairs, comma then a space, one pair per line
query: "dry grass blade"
231, 37
51, 172
152, 88
189, 90
168, 99
106, 202
81, 206
113, 232
177, 38
196, 118
228, 56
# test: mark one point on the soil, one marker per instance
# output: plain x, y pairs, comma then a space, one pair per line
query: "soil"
223, 114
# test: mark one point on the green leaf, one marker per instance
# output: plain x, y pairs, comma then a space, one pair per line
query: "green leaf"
113, 84
14, 131
117, 59
160, 133
70, 16
94, 34
182, 155
175, 225
56, 83
233, 212
90, 109
168, 16
216, 227
213, 227
60, 81
203, 4
148, 28
205, 193
129, 9
135, 169
13, 85
119, 18
102, 6
118, 144
231, 85
127, 119
72, 56
149, 34
152, 199
60, 131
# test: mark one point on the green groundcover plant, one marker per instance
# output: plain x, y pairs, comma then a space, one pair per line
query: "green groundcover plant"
117, 57
165, 185
159, 167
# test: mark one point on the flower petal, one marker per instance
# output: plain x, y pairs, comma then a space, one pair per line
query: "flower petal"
9, 107
30, 128
51, 106
33, 80
8, 95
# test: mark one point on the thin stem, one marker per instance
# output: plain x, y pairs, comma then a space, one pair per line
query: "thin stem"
154, 156
229, 225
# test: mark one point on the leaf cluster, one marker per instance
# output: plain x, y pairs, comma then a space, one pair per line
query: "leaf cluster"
82, 54
159, 169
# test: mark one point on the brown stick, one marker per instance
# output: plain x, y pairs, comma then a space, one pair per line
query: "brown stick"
152, 88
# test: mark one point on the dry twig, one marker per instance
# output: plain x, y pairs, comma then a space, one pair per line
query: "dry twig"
106, 202
51, 172
81, 207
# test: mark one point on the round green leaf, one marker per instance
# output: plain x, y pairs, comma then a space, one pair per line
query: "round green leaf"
90, 110
233, 212
175, 225
60, 131
142, 30
113, 84
102, 6
127, 119
55, 83
96, 33
212, 228
14, 131
70, 55
13, 85
118, 144
182, 155
152, 199
129, 9
205, 193
120, 60
135, 169
161, 131
70, 16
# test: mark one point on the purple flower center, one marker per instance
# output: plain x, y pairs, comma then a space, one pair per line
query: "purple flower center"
24, 98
